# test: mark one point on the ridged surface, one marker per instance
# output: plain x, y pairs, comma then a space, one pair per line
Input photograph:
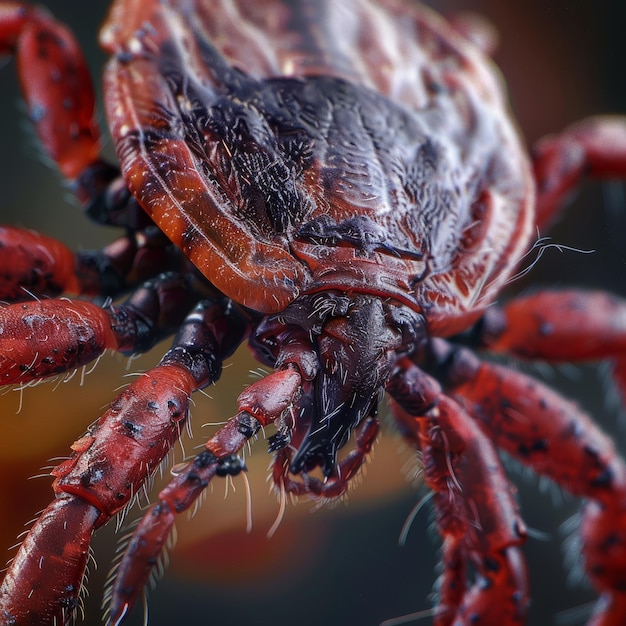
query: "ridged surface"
296, 147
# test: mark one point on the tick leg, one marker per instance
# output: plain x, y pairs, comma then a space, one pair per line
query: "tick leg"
42, 338
57, 88
556, 439
260, 404
36, 265
56, 85
59, 96
109, 465
595, 147
568, 325
476, 512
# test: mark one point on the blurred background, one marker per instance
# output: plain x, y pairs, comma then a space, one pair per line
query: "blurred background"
563, 60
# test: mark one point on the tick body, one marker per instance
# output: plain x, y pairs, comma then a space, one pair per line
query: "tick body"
342, 186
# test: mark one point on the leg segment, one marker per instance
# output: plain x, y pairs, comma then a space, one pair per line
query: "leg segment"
56, 85
110, 464
59, 95
558, 326
551, 435
476, 512
564, 325
594, 147
261, 404
47, 337
35, 265
271, 400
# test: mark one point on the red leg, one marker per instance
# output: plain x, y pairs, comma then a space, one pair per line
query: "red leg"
570, 325
36, 265
594, 147
48, 337
271, 400
560, 326
542, 430
59, 95
55, 83
110, 464
261, 404
476, 512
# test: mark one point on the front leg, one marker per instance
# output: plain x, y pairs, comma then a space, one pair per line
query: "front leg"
109, 465
261, 404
